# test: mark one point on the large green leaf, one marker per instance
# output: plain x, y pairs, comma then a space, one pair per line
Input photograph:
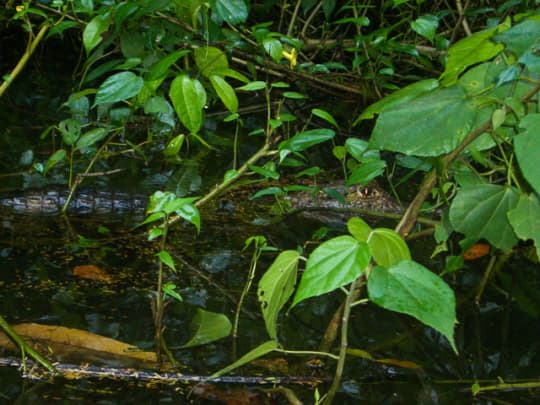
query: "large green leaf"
426, 126
231, 11
409, 288
525, 219
469, 51
210, 326
259, 351
276, 286
523, 40
119, 87
225, 92
333, 264
189, 98
387, 247
402, 96
527, 147
304, 140
92, 34
480, 211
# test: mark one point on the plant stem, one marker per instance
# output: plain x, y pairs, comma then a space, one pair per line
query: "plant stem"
24, 59
25, 347
344, 342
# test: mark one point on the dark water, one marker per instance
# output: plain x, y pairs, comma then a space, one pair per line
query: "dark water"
498, 339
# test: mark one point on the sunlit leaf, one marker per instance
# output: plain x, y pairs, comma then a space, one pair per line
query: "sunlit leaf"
469, 51
276, 286
480, 211
359, 228
387, 247
210, 326
335, 263
119, 87
409, 288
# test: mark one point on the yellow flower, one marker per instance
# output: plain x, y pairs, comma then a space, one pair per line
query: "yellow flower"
19, 8
291, 57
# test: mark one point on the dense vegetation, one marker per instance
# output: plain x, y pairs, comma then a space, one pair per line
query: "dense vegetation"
447, 92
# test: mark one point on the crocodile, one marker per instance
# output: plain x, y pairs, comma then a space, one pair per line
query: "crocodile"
332, 196
83, 202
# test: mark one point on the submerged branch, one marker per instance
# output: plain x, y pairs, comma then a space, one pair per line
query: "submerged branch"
78, 372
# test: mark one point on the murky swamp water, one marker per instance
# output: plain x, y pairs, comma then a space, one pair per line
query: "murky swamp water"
497, 339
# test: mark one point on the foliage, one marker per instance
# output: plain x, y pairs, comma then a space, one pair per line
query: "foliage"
460, 105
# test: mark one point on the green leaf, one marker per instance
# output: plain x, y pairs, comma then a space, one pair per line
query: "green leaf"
166, 259
231, 11
325, 116
225, 92
268, 171
92, 34
210, 326
190, 213
356, 147
480, 211
409, 288
189, 98
387, 247
70, 129
276, 286
427, 125
119, 87
273, 48
527, 148
359, 228
55, 158
170, 290
294, 95
160, 69
523, 40
259, 351
401, 97
174, 145
525, 220
335, 263
426, 26
211, 61
91, 137
253, 86
304, 140
469, 51
366, 172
